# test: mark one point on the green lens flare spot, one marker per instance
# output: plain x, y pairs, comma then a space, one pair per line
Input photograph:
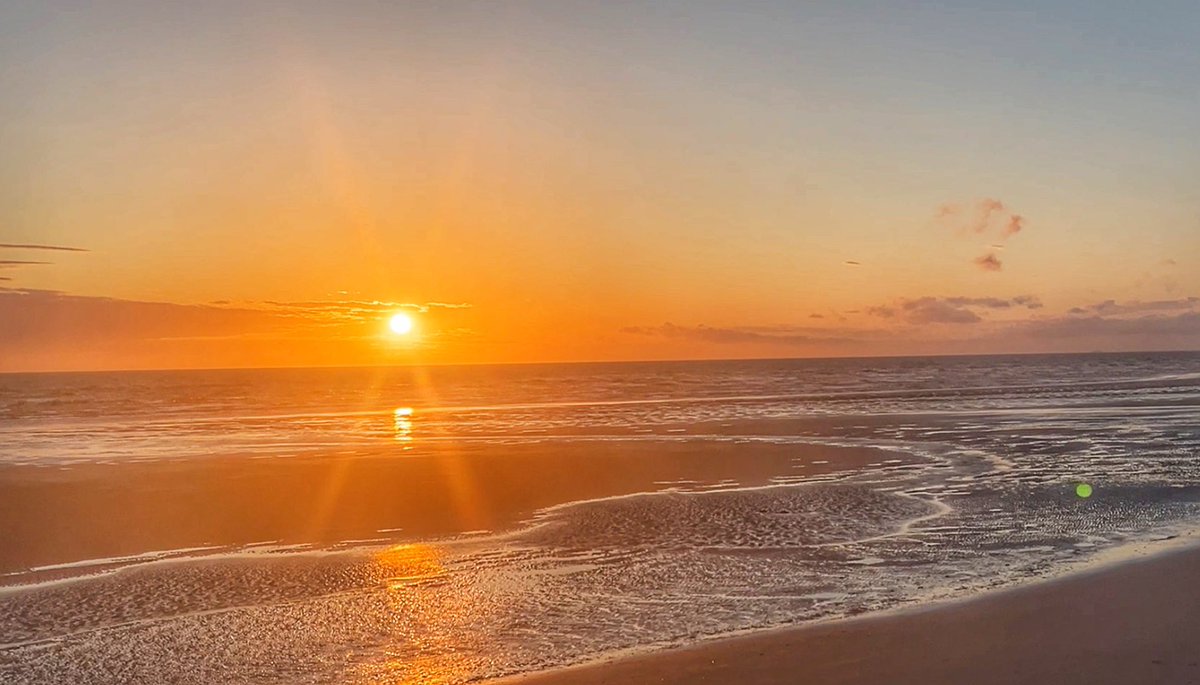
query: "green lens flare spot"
1083, 490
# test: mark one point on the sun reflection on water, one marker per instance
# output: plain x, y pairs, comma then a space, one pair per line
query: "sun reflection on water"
402, 424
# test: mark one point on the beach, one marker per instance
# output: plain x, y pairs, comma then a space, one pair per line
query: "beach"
1136, 621
90, 511
776, 521
599, 343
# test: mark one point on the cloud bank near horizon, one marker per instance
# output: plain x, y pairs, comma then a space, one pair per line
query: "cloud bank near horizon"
41, 326
46, 330
964, 324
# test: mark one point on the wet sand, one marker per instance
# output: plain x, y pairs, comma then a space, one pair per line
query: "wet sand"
1133, 622
55, 515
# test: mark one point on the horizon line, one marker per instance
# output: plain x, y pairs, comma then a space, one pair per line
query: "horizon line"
593, 362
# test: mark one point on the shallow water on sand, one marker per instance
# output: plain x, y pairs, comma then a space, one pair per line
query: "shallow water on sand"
660, 505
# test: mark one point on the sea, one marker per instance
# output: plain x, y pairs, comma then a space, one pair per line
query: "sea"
458, 524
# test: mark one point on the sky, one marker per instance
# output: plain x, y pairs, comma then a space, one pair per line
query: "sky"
266, 183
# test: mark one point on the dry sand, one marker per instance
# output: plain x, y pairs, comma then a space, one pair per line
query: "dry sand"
1137, 622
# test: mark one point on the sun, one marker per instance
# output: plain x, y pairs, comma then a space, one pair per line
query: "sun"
401, 324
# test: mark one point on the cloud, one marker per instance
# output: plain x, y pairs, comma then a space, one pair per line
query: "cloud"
946, 211
1112, 307
1015, 224
37, 314
18, 263
956, 310
27, 246
347, 311
777, 335
199, 319
986, 216
988, 262
963, 325
984, 211
931, 310
985, 302
1183, 326
851, 262
46, 329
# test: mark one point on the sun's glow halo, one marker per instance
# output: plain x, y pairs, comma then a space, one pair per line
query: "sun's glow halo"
400, 324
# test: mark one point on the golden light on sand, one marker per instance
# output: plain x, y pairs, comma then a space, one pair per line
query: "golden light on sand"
406, 565
401, 324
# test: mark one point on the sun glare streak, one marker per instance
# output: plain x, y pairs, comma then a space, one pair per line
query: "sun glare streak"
467, 499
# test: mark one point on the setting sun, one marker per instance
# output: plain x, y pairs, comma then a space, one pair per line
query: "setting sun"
401, 324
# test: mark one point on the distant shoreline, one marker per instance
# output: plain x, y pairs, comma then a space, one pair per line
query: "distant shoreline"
606, 362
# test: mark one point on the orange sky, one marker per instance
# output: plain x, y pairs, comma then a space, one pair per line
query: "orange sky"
258, 188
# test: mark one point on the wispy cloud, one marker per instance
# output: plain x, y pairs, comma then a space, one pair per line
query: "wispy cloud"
774, 335
984, 216
932, 310
51, 329
961, 324
985, 210
11, 263
1112, 307
28, 246
955, 310
988, 216
851, 262
988, 262
1155, 329
1016, 223
342, 311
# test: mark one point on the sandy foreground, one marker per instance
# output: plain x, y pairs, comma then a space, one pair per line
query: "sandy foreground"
1133, 622
102, 510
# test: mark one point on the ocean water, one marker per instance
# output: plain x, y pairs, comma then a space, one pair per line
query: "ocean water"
797, 490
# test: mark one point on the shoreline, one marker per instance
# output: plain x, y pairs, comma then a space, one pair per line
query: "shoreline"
1135, 603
